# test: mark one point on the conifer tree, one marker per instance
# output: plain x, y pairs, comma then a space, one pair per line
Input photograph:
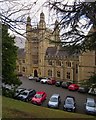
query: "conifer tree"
9, 56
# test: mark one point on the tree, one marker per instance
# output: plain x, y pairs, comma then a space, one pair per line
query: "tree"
75, 19
14, 14
9, 56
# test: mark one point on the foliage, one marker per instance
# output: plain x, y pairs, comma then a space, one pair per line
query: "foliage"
91, 82
9, 56
75, 20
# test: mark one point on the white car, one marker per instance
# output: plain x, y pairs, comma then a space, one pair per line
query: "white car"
90, 106
54, 101
30, 77
44, 80
92, 91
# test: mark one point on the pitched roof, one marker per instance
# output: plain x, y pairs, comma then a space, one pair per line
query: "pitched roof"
51, 51
61, 52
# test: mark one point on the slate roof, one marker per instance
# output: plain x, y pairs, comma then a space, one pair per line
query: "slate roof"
55, 52
51, 51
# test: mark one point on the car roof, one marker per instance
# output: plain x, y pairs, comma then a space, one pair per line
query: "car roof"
90, 99
40, 92
70, 97
55, 95
28, 90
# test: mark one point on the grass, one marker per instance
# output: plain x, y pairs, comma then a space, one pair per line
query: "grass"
17, 109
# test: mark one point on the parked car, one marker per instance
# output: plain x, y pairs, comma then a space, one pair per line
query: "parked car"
58, 83
73, 87
92, 91
83, 89
66, 84
18, 91
44, 80
39, 79
69, 104
54, 101
51, 81
90, 106
39, 97
30, 77
26, 95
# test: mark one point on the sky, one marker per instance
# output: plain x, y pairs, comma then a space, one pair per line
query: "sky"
36, 7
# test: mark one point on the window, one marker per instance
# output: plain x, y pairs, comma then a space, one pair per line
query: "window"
76, 68
68, 64
23, 61
58, 73
58, 63
49, 62
23, 69
49, 72
35, 61
68, 75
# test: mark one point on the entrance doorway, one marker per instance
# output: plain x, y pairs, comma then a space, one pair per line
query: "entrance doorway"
35, 73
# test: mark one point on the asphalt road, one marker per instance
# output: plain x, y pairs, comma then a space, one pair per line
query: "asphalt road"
51, 89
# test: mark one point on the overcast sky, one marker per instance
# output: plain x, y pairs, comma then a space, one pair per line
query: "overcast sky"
36, 7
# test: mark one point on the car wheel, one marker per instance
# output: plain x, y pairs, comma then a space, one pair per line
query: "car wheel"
27, 100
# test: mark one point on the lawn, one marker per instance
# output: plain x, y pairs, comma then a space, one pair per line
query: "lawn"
17, 109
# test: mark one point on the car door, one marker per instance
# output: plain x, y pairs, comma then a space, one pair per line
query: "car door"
43, 96
31, 94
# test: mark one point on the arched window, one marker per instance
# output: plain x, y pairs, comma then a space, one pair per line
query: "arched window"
23, 69
49, 62
49, 72
58, 63
58, 74
68, 75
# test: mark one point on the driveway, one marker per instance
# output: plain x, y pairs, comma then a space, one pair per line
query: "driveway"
51, 89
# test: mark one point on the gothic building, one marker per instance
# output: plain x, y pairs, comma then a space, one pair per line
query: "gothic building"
43, 58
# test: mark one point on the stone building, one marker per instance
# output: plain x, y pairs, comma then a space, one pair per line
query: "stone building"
43, 58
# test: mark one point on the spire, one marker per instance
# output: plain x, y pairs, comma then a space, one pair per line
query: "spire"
42, 17
28, 20
28, 27
42, 24
57, 33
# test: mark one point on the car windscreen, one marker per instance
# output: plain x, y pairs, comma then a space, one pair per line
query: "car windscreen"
24, 93
53, 99
38, 96
91, 104
69, 101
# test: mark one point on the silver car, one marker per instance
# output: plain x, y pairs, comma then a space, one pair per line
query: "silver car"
90, 106
54, 101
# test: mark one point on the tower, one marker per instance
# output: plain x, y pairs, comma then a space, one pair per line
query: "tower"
28, 45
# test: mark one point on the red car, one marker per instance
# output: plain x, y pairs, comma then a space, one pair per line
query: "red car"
73, 87
39, 97
51, 82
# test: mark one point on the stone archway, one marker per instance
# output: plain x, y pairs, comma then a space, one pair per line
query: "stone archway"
35, 73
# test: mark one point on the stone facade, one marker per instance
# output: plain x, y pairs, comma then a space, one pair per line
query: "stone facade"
46, 59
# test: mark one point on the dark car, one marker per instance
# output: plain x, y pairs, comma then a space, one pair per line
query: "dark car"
66, 84
26, 95
58, 83
83, 89
69, 104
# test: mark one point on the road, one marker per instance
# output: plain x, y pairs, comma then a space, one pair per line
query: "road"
51, 89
